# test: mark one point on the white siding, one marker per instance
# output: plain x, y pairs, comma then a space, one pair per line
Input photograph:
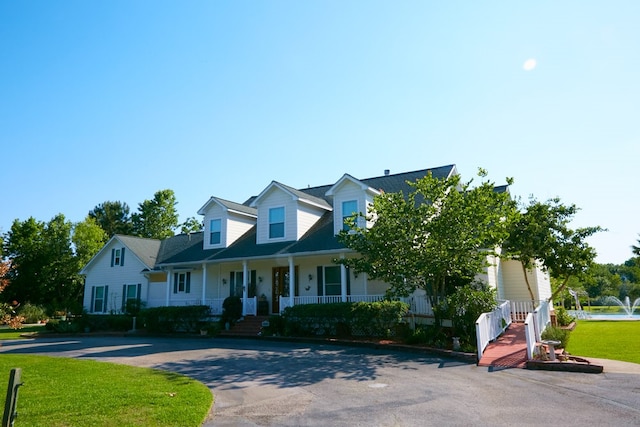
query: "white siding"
515, 287
236, 226
273, 199
100, 273
307, 217
232, 226
346, 192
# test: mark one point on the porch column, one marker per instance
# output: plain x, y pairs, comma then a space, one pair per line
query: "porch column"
204, 284
168, 295
245, 286
343, 281
292, 282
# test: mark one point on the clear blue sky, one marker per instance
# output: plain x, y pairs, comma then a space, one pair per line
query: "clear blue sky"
115, 100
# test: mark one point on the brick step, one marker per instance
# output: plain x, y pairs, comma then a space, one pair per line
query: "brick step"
250, 326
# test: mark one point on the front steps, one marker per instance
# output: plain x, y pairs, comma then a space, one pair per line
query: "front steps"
250, 326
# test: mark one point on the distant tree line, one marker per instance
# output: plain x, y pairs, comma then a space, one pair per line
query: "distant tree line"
40, 261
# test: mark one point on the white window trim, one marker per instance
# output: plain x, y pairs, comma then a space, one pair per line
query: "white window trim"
284, 223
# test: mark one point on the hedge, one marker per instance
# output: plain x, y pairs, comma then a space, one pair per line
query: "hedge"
175, 319
343, 319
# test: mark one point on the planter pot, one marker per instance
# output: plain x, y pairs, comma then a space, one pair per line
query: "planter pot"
203, 332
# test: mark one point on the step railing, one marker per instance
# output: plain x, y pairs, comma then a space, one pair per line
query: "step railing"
490, 326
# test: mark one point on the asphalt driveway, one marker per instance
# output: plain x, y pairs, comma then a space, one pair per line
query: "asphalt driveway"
298, 384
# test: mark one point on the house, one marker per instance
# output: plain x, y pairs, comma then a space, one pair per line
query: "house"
275, 250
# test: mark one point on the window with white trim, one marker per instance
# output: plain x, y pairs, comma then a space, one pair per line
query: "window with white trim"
332, 280
276, 223
349, 208
215, 231
117, 256
99, 299
182, 283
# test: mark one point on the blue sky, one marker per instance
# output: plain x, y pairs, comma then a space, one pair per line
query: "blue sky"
115, 100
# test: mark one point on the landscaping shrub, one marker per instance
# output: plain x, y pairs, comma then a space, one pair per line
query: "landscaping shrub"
276, 326
562, 316
463, 307
174, 319
375, 319
231, 310
32, 313
557, 334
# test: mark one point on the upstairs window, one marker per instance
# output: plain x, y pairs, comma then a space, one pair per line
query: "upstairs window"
215, 232
117, 256
349, 208
276, 223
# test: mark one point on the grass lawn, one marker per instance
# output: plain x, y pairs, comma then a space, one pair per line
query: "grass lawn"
6, 333
617, 340
61, 392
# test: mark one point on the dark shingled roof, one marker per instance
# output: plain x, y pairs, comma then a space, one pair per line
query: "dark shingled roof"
145, 249
187, 248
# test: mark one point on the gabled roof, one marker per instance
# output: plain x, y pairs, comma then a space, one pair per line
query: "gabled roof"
146, 250
298, 195
229, 206
346, 177
187, 249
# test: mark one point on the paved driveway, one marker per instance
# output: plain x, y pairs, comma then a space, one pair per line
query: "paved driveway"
272, 383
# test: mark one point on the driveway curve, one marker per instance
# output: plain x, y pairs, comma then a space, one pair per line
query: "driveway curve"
259, 383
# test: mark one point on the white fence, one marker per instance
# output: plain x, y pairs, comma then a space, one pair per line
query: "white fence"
535, 324
489, 326
250, 306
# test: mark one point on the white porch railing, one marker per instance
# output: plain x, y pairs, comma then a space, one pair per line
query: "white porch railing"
250, 307
520, 309
535, 324
215, 304
417, 304
489, 326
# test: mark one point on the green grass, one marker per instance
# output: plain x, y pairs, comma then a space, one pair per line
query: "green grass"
617, 340
6, 333
60, 392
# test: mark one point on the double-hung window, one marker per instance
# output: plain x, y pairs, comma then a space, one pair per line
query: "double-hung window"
215, 231
349, 208
130, 297
99, 299
332, 284
182, 283
117, 256
276, 223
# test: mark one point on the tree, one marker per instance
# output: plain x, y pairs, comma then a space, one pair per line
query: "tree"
43, 267
156, 218
191, 225
88, 238
636, 249
435, 238
542, 234
113, 218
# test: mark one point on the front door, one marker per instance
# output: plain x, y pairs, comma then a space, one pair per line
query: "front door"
280, 286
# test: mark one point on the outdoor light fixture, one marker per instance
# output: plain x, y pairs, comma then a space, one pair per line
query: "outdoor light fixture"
310, 277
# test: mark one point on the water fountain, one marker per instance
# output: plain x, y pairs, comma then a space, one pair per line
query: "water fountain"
626, 305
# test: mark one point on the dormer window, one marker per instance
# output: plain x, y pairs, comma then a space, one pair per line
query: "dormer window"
349, 208
215, 231
276, 223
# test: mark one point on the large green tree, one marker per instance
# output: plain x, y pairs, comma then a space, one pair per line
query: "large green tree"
44, 269
437, 236
88, 238
542, 234
156, 218
113, 217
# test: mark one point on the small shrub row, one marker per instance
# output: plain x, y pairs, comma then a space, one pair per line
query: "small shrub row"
371, 319
175, 319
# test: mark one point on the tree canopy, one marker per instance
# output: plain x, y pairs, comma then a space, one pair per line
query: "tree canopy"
156, 218
542, 234
437, 236
112, 217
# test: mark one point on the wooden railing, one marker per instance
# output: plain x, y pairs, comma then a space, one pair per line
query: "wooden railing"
490, 326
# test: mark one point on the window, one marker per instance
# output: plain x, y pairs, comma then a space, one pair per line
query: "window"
276, 223
332, 284
130, 297
215, 230
236, 282
117, 257
349, 208
99, 299
182, 283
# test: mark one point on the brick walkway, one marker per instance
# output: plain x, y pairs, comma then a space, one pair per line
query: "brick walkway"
508, 351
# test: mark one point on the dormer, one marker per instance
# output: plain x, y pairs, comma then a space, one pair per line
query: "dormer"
286, 214
350, 196
225, 222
